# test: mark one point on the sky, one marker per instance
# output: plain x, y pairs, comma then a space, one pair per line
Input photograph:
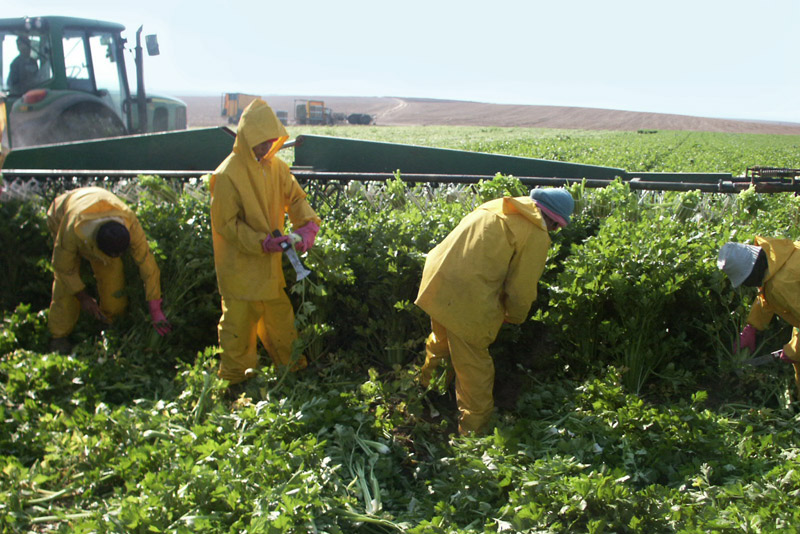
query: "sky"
737, 59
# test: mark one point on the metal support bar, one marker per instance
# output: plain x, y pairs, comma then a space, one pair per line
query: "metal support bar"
50, 174
722, 186
733, 185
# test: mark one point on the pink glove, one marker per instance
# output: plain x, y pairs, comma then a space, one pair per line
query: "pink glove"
307, 233
160, 322
273, 244
747, 339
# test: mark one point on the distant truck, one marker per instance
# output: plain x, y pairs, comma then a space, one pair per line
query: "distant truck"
312, 112
65, 79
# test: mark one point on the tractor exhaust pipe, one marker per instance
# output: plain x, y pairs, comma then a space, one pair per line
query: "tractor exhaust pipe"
141, 97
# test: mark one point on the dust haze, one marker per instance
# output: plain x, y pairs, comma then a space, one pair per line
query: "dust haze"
204, 111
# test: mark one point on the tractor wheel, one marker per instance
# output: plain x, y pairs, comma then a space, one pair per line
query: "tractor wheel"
85, 122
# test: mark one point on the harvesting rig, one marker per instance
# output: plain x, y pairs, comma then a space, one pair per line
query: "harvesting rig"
333, 161
67, 111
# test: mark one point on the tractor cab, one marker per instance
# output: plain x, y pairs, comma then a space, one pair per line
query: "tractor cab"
66, 79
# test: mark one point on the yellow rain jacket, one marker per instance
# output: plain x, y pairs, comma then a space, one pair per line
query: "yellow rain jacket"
250, 199
73, 219
780, 293
486, 270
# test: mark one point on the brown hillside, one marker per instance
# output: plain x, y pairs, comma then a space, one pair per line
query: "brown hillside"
391, 111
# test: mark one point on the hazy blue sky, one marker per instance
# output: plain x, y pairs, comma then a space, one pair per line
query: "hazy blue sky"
713, 58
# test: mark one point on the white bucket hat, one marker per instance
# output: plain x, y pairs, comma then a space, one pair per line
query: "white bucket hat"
737, 260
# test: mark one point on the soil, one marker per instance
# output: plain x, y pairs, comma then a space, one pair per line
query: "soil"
204, 111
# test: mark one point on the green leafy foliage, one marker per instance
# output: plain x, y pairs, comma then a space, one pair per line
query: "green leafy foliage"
23, 237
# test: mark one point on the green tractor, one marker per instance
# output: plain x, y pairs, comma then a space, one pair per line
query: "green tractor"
65, 79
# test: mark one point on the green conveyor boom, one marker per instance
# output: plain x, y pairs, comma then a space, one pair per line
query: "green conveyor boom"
200, 149
341, 159
336, 154
324, 158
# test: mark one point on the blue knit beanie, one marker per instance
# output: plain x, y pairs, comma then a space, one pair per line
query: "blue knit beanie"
558, 201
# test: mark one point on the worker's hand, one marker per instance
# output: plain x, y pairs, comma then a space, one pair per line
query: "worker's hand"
90, 306
784, 358
158, 318
273, 244
307, 233
747, 339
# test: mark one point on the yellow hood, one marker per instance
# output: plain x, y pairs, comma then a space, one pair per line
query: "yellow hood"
780, 293
526, 207
778, 252
258, 124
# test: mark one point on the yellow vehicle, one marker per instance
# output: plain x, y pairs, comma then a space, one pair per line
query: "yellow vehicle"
233, 105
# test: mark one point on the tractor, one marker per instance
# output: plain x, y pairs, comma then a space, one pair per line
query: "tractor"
65, 79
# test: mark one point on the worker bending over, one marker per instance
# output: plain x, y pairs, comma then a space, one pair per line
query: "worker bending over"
484, 273
94, 224
772, 265
252, 191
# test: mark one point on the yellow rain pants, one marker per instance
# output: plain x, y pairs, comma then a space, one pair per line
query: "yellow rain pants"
243, 323
437, 351
474, 370
65, 308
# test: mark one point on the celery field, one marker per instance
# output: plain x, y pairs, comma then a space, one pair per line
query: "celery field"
621, 406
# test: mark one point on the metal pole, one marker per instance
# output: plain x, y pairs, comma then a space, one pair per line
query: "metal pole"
722, 186
141, 97
49, 174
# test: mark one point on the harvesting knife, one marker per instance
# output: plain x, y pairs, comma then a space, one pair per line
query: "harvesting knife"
761, 360
294, 259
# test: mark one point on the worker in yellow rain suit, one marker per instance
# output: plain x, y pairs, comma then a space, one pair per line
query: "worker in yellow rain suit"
94, 224
252, 191
772, 265
485, 273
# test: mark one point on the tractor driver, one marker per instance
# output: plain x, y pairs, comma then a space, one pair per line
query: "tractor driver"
24, 69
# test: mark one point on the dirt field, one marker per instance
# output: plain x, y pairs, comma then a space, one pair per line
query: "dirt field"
389, 111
